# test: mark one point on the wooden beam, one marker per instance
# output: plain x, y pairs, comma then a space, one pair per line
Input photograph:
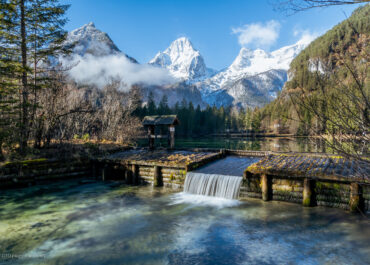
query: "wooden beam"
158, 179
171, 136
150, 138
266, 187
135, 174
356, 198
309, 198
128, 175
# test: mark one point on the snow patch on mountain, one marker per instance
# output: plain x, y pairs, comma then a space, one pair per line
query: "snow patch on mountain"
258, 70
183, 61
249, 63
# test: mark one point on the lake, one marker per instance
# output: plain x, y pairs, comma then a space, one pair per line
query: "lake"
93, 222
285, 144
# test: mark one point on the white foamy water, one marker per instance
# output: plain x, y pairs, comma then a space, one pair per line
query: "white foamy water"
212, 185
201, 200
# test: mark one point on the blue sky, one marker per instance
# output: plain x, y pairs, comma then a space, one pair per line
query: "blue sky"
217, 28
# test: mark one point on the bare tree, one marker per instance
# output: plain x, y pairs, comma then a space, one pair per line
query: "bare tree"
339, 104
335, 105
57, 102
114, 114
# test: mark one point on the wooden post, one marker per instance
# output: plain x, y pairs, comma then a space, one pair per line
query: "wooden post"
105, 172
266, 187
308, 193
171, 136
355, 200
135, 174
158, 180
123, 172
151, 137
128, 175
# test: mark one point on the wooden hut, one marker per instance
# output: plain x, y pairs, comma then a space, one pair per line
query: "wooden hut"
151, 122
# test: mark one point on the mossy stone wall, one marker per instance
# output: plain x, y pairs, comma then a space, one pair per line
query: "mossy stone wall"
332, 194
251, 187
287, 190
325, 193
25, 173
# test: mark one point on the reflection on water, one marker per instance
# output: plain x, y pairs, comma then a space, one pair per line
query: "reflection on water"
86, 222
284, 144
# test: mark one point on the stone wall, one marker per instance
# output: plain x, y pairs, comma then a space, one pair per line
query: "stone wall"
287, 190
25, 173
324, 193
332, 194
251, 187
173, 177
141, 174
366, 196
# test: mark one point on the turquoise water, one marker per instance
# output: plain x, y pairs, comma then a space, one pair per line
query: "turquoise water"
89, 222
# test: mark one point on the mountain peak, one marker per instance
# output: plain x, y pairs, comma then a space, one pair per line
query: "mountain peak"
183, 42
182, 60
90, 40
243, 59
181, 47
90, 24
87, 29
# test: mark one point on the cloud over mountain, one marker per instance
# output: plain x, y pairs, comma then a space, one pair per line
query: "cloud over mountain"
96, 60
260, 35
100, 70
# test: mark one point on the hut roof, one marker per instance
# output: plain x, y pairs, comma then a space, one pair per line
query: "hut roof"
160, 120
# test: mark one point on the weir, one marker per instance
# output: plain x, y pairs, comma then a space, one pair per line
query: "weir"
212, 185
306, 178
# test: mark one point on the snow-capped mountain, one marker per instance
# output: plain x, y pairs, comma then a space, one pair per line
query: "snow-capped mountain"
94, 52
249, 91
183, 61
90, 40
253, 79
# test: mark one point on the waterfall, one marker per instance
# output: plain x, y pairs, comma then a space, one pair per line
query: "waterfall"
212, 185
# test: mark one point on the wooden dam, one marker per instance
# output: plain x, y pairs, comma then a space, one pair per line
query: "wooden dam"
306, 178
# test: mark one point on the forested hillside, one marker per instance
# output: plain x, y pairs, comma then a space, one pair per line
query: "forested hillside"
328, 83
197, 121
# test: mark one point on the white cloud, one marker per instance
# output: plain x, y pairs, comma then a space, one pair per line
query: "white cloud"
258, 35
100, 70
305, 36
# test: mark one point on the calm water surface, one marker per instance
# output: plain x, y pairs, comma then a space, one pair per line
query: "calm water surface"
284, 144
88, 222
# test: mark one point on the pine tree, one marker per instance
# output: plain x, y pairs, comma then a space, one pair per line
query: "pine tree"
152, 109
163, 108
31, 33
9, 73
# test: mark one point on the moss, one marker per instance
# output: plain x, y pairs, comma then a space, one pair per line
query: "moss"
306, 202
26, 162
354, 204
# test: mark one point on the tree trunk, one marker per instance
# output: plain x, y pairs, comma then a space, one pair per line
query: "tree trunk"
24, 112
2, 158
